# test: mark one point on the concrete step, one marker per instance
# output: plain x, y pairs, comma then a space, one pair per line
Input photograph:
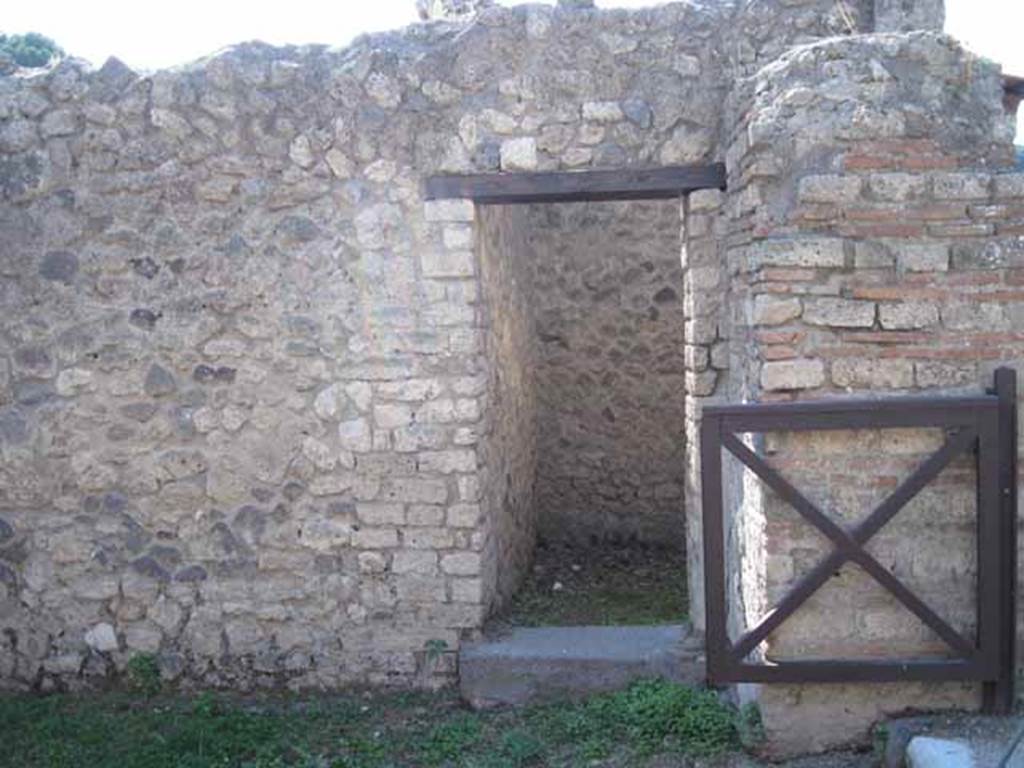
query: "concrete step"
531, 665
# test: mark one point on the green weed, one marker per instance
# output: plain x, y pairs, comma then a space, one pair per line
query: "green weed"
143, 674
418, 730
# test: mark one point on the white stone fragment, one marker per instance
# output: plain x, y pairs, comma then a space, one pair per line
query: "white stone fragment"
602, 111
102, 638
339, 163
519, 154
73, 381
301, 152
928, 752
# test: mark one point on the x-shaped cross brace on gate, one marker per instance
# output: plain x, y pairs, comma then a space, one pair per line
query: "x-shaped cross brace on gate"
849, 544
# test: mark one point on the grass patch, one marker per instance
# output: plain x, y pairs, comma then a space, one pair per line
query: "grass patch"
142, 674
359, 731
600, 586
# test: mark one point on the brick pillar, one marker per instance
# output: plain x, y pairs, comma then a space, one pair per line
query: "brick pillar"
862, 203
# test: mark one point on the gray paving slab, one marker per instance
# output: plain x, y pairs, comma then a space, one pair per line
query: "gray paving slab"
929, 752
531, 665
987, 738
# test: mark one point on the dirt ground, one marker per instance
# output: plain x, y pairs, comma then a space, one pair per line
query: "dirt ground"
612, 584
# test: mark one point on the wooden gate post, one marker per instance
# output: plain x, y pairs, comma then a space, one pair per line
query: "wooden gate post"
999, 695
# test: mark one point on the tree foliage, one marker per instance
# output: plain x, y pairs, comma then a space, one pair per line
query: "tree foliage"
30, 49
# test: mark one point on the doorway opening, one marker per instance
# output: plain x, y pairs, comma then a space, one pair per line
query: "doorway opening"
586, 435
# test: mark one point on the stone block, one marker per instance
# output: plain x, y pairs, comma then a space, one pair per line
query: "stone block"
59, 122
704, 201
73, 381
391, 415
427, 538
440, 411
931, 373
602, 111
461, 564
519, 154
315, 450
792, 374
536, 665
378, 513
102, 638
1009, 185
419, 436
355, 435
974, 316
159, 381
142, 639
448, 263
991, 253
774, 310
18, 135
798, 252
375, 538
839, 313
873, 374
372, 562
908, 315
419, 561
467, 590
700, 383
332, 402
449, 210
416, 489
961, 186
870, 254
411, 390
923, 257
339, 163
446, 462
425, 515
418, 588
830, 188
464, 515
897, 187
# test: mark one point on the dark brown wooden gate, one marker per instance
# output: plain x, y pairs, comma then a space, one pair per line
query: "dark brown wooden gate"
985, 424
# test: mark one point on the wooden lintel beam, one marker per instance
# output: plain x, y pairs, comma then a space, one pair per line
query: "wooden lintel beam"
1013, 84
1013, 92
575, 186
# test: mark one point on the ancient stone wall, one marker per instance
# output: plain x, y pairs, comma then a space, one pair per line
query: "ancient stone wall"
606, 292
261, 406
244, 370
510, 445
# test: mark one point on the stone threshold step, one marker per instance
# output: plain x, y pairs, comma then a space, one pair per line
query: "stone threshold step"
532, 665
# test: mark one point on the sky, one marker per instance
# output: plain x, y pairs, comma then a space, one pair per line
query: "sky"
149, 35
